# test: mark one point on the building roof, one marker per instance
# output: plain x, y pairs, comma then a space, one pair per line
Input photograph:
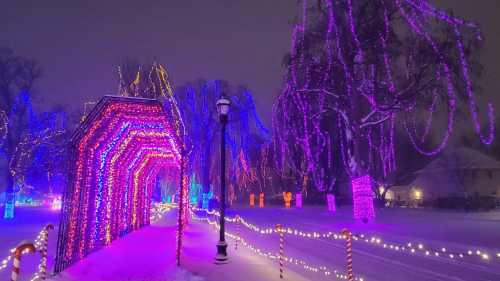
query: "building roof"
461, 158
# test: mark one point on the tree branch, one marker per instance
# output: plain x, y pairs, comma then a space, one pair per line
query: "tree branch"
375, 122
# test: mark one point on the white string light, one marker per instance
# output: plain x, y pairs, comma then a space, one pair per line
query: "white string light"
159, 209
157, 212
409, 248
38, 246
6, 260
269, 255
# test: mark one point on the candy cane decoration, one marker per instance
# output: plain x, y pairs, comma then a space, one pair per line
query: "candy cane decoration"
281, 256
237, 232
43, 251
348, 235
23, 247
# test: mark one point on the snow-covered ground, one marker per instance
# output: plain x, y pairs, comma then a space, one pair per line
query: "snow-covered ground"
26, 225
149, 253
454, 231
144, 255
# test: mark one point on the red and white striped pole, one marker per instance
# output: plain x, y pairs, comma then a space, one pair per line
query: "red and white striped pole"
43, 251
237, 232
281, 256
348, 236
23, 247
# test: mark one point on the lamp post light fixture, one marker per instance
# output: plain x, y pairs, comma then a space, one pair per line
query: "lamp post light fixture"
223, 105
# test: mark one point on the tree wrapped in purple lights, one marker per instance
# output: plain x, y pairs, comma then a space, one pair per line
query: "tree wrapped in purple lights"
360, 73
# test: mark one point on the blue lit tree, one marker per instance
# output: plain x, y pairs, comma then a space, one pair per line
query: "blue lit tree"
245, 132
30, 142
196, 103
17, 75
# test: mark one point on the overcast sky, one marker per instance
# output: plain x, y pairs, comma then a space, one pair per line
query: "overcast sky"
79, 43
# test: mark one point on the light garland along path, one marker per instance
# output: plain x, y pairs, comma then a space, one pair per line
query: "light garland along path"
270, 255
411, 248
159, 209
40, 246
6, 260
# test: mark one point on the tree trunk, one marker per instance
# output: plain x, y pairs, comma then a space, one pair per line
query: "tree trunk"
298, 183
354, 153
206, 165
10, 197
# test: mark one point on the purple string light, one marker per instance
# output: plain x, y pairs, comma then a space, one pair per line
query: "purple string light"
360, 83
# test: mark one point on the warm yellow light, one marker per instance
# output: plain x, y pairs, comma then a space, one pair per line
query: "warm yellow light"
381, 189
417, 194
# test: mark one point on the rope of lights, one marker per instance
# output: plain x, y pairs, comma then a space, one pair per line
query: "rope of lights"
39, 246
274, 256
159, 209
410, 247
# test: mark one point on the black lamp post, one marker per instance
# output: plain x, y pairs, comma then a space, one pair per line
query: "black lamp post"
223, 105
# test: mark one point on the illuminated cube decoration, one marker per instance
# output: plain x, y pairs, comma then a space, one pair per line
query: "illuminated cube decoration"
117, 154
298, 200
287, 198
330, 199
261, 200
362, 195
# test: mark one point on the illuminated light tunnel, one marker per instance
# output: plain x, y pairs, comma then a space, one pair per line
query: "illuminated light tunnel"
117, 153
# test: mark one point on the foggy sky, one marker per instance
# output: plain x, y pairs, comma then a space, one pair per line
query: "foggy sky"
79, 44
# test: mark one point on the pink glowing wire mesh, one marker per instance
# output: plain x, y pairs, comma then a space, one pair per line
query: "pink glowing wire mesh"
363, 198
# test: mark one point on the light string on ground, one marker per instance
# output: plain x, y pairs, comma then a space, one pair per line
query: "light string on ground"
411, 248
37, 243
159, 209
274, 256
41, 245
